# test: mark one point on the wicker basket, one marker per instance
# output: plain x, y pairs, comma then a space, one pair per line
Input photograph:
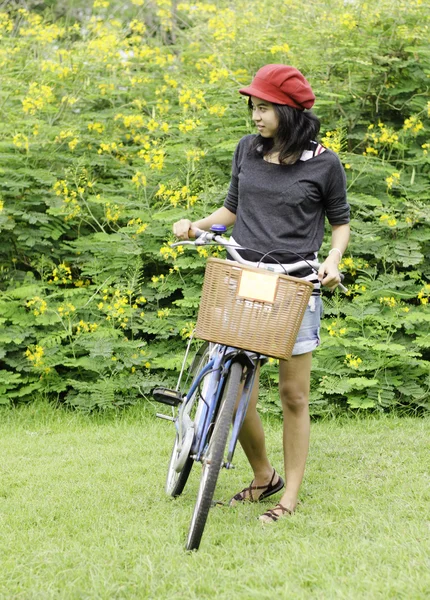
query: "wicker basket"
250, 308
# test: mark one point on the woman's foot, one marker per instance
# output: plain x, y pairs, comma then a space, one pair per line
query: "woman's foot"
255, 493
284, 508
274, 514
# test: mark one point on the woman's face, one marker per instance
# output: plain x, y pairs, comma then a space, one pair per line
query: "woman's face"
265, 117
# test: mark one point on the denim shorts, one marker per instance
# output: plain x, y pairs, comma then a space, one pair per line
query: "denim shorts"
308, 337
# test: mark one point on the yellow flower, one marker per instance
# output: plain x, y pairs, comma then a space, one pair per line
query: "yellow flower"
348, 21
39, 305
217, 110
21, 141
38, 96
35, 355
112, 212
392, 179
194, 99
424, 294
413, 124
66, 309
370, 150
98, 127
222, 27
388, 301
141, 228
334, 330
137, 26
333, 140
194, 155
188, 125
70, 100
139, 179
353, 361
73, 143
170, 81
279, 48
187, 330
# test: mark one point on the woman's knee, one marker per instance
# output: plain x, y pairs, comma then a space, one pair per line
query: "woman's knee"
294, 382
293, 398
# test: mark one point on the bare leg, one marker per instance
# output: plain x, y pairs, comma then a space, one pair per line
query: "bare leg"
252, 440
294, 384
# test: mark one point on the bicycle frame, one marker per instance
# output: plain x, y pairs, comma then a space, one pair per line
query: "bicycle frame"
217, 369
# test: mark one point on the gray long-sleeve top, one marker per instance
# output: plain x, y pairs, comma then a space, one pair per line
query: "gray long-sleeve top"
284, 206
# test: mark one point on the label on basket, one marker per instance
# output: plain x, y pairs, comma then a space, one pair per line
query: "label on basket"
258, 286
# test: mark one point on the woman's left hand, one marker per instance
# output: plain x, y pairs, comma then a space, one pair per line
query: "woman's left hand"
328, 274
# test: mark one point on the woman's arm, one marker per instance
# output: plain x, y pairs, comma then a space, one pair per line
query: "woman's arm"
185, 229
328, 272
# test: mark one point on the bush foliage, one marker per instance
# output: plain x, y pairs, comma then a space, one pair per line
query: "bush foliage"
120, 118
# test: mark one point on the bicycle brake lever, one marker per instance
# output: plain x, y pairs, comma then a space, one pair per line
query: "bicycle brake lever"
341, 286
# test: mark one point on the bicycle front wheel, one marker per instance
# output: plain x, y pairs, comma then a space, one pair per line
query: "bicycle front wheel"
214, 456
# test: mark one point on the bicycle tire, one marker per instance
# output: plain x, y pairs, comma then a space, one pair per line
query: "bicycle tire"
176, 480
213, 459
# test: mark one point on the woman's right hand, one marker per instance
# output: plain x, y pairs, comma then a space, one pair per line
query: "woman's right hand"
183, 229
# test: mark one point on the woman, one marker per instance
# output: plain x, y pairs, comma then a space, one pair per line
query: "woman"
283, 186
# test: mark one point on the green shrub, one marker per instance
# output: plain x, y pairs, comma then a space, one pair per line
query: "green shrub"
121, 119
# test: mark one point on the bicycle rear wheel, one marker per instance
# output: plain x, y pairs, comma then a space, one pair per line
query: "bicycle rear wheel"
181, 463
176, 480
213, 458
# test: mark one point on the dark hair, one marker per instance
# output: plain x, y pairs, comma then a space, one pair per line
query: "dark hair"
296, 129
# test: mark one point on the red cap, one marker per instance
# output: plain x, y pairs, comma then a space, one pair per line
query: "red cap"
281, 84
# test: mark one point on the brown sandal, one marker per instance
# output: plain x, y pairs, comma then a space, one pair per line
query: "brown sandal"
273, 515
270, 489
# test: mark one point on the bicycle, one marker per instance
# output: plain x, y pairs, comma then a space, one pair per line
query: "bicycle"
231, 309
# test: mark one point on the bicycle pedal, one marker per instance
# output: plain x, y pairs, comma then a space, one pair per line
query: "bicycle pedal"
166, 396
165, 417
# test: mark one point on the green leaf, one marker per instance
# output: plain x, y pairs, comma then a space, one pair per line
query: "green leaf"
169, 216
360, 401
411, 388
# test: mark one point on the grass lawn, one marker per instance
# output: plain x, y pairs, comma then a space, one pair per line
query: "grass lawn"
83, 514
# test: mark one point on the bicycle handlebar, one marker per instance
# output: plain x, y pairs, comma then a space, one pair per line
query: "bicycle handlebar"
205, 238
